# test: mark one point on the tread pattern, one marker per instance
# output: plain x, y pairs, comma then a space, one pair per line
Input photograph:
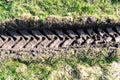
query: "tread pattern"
38, 40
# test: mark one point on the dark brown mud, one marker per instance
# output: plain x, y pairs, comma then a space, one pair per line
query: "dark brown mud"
59, 34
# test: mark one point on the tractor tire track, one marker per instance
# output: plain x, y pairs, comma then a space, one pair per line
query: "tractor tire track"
43, 39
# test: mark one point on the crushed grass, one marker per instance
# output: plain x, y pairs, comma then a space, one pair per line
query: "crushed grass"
70, 64
11, 70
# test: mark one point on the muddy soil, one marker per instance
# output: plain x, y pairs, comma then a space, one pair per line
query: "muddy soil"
58, 34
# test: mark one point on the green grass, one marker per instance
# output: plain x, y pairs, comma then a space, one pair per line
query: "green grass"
58, 69
44, 8
67, 65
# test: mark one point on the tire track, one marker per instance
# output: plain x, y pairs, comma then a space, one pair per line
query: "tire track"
38, 39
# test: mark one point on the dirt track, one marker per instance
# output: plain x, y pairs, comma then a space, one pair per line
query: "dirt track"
41, 39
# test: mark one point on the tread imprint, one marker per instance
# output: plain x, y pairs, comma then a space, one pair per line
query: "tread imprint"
36, 39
